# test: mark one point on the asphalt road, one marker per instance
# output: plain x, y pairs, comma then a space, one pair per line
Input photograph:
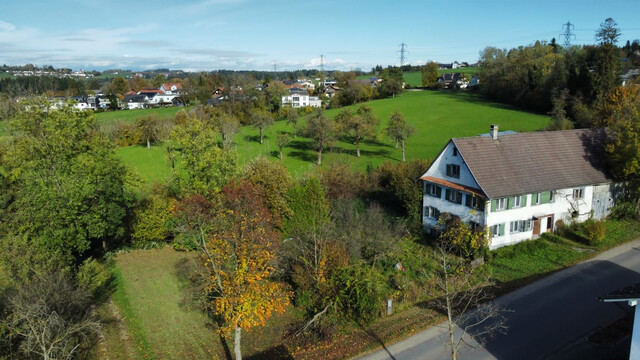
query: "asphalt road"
546, 316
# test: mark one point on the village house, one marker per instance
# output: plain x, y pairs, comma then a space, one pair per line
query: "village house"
298, 97
517, 186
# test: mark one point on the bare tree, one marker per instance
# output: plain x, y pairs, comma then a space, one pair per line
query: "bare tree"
51, 316
460, 290
229, 126
281, 141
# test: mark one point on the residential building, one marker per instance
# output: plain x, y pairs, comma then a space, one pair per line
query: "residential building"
518, 185
171, 88
298, 97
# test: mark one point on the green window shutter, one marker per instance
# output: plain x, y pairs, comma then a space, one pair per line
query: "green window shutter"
509, 203
525, 200
534, 198
494, 205
501, 229
545, 197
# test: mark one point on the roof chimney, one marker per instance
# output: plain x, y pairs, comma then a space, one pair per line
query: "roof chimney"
494, 131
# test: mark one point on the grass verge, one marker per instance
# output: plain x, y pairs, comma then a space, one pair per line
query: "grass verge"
121, 299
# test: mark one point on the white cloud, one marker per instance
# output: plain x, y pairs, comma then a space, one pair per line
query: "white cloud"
5, 26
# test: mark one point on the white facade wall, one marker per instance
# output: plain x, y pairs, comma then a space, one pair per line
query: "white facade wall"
315, 101
439, 168
443, 205
135, 105
296, 100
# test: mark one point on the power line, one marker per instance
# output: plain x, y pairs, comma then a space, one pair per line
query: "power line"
567, 34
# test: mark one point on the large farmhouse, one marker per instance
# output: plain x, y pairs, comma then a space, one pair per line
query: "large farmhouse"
518, 185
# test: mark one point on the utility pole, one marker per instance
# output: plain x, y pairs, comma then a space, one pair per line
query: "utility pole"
567, 34
403, 54
322, 63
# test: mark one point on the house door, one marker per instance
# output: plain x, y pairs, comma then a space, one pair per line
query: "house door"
536, 227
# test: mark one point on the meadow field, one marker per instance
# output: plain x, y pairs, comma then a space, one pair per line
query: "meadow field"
436, 115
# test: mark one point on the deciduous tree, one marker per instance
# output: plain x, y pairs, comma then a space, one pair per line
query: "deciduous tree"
321, 130
291, 115
430, 74
207, 167
151, 127
261, 120
461, 291
359, 126
68, 187
399, 130
119, 85
282, 140
239, 258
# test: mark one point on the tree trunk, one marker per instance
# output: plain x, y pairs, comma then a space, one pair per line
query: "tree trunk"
260, 135
281, 157
236, 343
403, 159
358, 148
320, 157
148, 143
396, 143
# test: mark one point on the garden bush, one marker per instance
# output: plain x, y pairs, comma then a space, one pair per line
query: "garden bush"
594, 231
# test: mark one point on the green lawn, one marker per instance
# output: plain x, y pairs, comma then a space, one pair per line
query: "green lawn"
155, 298
516, 265
436, 115
151, 164
414, 78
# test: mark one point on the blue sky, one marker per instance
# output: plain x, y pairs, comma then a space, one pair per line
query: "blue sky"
258, 34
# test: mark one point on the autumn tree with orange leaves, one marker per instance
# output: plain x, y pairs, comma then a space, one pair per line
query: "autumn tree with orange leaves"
239, 259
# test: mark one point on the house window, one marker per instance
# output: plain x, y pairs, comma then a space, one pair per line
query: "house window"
498, 204
520, 226
454, 196
537, 198
455, 151
496, 230
433, 190
431, 212
578, 193
474, 202
453, 170
517, 201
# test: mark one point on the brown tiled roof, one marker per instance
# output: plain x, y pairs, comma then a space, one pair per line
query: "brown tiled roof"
453, 185
516, 164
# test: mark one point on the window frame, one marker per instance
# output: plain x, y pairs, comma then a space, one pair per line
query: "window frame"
502, 201
579, 192
457, 196
431, 212
453, 170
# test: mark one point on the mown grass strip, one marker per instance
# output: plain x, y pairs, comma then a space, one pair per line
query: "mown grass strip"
121, 299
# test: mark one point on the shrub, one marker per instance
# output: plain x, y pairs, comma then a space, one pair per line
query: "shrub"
594, 231
362, 292
150, 222
126, 134
93, 276
624, 210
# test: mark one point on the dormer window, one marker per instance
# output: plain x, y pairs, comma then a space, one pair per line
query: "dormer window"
453, 170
